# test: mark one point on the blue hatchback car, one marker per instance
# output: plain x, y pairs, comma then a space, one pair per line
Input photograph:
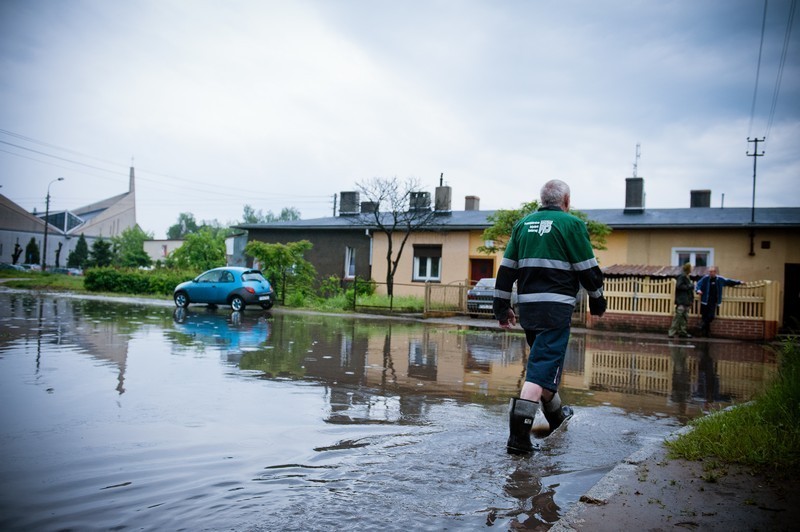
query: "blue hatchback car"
229, 285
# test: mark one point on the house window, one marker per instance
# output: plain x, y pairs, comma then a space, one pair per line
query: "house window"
427, 263
349, 262
694, 256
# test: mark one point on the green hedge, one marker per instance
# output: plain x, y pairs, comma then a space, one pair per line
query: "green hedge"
131, 281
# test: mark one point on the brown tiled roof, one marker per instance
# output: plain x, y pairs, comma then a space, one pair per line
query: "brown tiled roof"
644, 270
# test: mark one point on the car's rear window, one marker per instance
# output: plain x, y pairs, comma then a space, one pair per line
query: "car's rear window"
252, 276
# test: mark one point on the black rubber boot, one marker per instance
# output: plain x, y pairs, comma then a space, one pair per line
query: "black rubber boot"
555, 413
520, 420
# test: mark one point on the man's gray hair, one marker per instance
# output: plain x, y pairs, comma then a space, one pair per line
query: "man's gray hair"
553, 193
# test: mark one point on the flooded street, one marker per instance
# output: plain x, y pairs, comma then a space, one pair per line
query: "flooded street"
126, 416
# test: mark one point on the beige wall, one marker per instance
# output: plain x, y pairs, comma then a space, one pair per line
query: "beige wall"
457, 249
634, 247
731, 250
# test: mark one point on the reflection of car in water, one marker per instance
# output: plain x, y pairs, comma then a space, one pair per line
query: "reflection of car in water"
232, 332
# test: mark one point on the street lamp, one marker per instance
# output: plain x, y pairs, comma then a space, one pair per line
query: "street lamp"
46, 222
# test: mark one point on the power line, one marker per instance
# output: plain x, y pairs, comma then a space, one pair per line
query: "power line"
197, 189
758, 68
781, 67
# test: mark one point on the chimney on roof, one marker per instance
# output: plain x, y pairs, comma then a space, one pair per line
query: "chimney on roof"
472, 203
441, 203
634, 195
420, 201
349, 204
369, 206
700, 198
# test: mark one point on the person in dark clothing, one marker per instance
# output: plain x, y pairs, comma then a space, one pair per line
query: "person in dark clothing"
549, 256
710, 289
684, 296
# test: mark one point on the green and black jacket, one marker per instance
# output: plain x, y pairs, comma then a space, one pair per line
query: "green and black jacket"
549, 256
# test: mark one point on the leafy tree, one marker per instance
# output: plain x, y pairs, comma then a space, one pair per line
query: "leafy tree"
129, 248
393, 215
202, 250
504, 220
32, 252
216, 228
101, 254
79, 256
251, 216
186, 225
285, 262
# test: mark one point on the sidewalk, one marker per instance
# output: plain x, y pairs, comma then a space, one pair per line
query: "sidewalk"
648, 492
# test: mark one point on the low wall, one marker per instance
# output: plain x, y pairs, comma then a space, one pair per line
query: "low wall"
737, 329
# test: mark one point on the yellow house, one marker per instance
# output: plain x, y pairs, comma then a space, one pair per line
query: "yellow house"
748, 244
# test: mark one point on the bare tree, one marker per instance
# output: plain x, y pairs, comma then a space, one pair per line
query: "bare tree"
399, 207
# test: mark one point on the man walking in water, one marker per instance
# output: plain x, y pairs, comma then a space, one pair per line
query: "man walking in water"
549, 256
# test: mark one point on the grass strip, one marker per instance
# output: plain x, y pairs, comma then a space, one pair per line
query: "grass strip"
764, 433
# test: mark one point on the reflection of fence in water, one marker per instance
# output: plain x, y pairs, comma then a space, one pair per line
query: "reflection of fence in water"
654, 374
629, 372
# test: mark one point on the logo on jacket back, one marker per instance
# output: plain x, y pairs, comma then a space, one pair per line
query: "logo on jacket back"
539, 226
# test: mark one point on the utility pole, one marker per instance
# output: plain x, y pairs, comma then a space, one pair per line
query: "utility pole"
755, 156
47, 222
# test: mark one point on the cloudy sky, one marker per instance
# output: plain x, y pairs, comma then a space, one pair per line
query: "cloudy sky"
285, 103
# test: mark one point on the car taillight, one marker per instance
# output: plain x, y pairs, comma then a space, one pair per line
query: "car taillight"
249, 289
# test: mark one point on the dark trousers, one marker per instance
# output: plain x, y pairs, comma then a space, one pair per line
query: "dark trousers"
707, 315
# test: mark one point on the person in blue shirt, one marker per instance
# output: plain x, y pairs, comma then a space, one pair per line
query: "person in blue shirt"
709, 287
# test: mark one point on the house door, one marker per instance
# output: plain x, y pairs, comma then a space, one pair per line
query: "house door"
791, 298
480, 268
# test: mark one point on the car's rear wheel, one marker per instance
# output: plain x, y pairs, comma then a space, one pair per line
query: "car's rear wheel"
237, 303
181, 300
266, 305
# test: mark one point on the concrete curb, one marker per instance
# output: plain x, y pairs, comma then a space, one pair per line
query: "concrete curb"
606, 487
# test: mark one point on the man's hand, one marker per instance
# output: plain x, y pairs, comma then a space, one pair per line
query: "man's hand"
511, 320
597, 306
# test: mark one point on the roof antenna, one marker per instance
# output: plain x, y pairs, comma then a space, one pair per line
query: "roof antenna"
636, 162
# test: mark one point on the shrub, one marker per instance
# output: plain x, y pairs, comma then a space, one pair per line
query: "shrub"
132, 281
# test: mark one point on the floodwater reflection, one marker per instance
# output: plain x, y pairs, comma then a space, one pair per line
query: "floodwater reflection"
123, 416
